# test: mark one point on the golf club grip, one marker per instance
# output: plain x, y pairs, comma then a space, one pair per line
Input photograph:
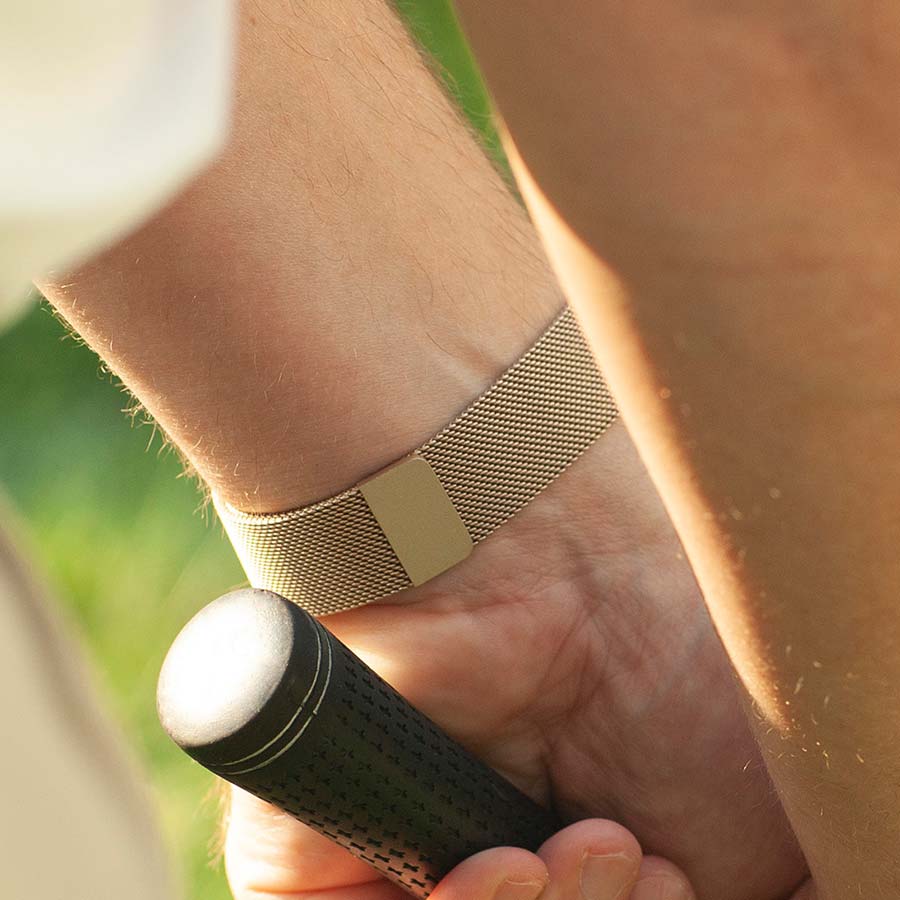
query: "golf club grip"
360, 765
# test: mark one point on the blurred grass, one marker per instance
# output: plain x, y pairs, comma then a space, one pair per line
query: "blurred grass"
115, 529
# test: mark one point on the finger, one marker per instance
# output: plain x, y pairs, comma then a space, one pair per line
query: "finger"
267, 853
504, 873
591, 860
659, 879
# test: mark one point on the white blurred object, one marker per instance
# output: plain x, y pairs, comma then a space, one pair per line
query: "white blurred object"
76, 823
106, 109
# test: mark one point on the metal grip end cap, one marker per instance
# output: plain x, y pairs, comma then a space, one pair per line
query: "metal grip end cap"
236, 674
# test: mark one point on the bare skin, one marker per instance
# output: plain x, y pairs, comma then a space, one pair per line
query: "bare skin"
718, 194
290, 327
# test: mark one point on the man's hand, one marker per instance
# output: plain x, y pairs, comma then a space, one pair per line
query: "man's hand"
573, 654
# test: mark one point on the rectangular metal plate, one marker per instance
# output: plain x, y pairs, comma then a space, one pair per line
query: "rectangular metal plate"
418, 518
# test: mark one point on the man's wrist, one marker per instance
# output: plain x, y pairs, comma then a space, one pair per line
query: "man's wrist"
421, 516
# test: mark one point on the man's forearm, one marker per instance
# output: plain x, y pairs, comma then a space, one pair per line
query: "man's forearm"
348, 277
726, 237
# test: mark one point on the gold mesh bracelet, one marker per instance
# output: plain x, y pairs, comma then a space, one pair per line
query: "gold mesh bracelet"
417, 518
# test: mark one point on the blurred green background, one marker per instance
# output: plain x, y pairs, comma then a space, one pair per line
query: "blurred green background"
120, 536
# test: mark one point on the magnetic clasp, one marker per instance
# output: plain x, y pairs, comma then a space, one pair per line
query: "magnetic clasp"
418, 518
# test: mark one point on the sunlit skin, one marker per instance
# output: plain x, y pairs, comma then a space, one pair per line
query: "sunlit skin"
716, 184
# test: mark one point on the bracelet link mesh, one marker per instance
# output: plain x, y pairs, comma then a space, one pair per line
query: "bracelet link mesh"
491, 461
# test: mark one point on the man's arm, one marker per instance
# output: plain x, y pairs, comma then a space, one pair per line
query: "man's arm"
347, 279
355, 244
717, 186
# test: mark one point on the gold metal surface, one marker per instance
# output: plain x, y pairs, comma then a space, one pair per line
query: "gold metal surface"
418, 518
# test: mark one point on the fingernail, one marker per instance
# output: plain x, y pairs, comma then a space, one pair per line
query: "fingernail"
520, 890
606, 877
660, 888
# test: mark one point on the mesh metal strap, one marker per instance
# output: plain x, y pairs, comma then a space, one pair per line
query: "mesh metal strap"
492, 460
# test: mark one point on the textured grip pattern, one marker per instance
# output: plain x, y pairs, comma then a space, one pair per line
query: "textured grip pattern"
373, 774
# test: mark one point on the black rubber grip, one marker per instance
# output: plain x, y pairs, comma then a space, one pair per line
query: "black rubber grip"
262, 694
